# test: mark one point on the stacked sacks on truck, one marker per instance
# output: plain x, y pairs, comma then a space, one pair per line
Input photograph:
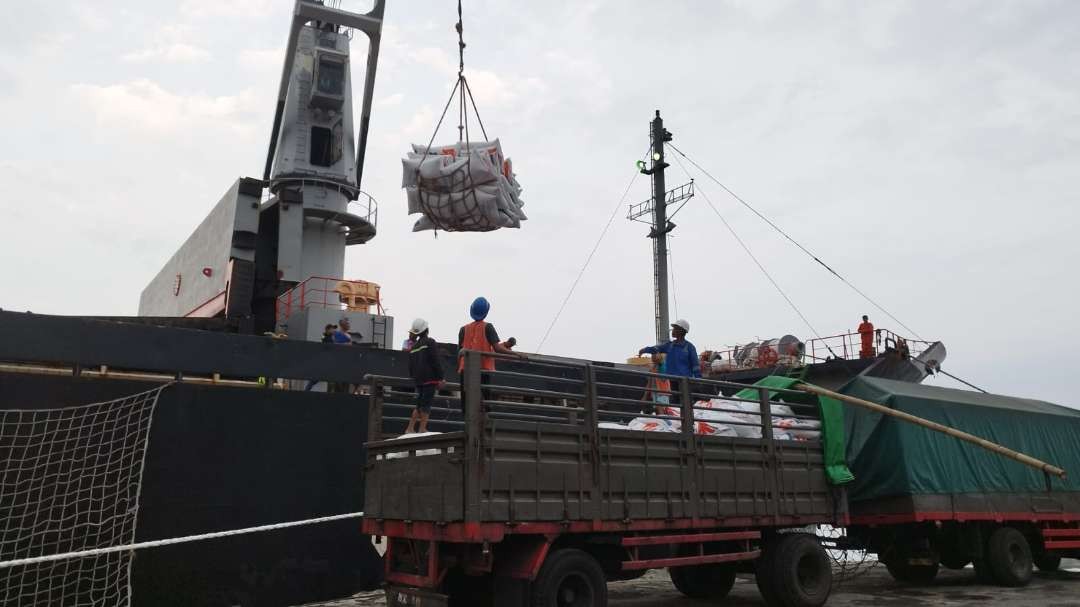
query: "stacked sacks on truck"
719, 417
465, 187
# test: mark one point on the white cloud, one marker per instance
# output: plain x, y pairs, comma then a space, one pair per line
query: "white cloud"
262, 59
229, 8
176, 52
390, 100
145, 105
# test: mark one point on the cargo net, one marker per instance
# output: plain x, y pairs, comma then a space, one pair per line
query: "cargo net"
464, 187
849, 562
69, 482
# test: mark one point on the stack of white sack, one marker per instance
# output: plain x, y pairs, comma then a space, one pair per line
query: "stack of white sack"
462, 187
743, 419
419, 452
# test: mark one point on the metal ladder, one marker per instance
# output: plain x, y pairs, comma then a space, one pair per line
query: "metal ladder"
378, 331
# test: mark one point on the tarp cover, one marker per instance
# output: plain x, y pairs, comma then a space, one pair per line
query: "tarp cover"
891, 457
832, 423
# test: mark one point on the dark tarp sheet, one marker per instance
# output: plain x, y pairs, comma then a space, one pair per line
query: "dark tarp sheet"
832, 422
892, 457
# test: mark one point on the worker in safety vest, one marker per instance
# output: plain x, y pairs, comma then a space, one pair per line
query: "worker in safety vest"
866, 334
682, 357
481, 336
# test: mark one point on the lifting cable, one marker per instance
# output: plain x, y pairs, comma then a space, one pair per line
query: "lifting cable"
588, 259
761, 267
461, 90
794, 242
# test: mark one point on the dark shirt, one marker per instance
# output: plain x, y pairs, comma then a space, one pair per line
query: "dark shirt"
489, 332
328, 338
425, 364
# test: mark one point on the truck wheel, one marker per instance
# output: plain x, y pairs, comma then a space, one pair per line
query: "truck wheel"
906, 573
570, 578
712, 581
1047, 562
798, 573
1009, 557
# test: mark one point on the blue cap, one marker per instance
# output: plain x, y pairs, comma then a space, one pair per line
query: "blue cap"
479, 308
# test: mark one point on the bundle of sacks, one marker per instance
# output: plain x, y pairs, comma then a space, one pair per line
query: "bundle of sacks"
462, 187
731, 418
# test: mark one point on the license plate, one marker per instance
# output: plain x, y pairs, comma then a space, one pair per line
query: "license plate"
397, 596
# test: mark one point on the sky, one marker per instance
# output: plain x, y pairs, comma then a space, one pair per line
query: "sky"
926, 151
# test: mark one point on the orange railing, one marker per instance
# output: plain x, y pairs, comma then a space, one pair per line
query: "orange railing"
773, 352
325, 292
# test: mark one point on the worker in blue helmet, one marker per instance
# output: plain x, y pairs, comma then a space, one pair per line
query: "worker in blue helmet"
481, 335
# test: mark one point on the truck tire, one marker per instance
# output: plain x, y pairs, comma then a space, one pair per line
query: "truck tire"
1047, 562
904, 572
798, 573
569, 578
712, 581
1008, 556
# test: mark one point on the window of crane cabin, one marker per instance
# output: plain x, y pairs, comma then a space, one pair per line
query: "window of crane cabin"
326, 145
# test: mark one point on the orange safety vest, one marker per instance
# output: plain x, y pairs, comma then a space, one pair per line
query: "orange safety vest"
475, 338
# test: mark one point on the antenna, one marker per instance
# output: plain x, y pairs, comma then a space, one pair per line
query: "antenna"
660, 223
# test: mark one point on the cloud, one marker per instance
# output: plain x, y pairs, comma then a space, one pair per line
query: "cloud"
390, 100
145, 105
176, 52
231, 8
262, 59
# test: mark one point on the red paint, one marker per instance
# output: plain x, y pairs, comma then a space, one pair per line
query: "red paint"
657, 540
496, 532
208, 272
690, 560
1074, 532
1070, 545
925, 516
524, 562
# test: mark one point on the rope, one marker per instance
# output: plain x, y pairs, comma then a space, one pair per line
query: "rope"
174, 540
796, 243
585, 265
761, 267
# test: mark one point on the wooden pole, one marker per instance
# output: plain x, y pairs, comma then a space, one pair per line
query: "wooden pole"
925, 423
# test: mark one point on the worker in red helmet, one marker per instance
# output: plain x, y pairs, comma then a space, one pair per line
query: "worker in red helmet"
866, 334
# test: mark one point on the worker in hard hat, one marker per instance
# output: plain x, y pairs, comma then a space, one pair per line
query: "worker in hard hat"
866, 335
657, 389
682, 356
481, 336
426, 369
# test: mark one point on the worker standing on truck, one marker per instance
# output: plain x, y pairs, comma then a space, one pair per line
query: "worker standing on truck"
426, 369
682, 357
866, 334
481, 336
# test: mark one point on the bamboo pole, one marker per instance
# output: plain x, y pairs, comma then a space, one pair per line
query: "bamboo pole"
964, 436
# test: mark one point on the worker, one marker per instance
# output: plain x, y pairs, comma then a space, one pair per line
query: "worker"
866, 334
426, 370
657, 389
510, 343
342, 335
481, 336
682, 356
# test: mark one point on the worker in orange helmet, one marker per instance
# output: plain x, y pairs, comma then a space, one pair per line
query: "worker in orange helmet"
866, 334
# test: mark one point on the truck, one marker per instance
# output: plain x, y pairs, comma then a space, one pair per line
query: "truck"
922, 500
539, 492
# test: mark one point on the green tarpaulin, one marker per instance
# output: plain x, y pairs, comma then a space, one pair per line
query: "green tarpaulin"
892, 457
832, 422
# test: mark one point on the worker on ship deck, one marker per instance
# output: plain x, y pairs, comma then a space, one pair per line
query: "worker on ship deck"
866, 334
682, 357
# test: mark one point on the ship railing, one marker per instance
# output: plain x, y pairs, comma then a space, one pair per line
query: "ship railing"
325, 292
846, 346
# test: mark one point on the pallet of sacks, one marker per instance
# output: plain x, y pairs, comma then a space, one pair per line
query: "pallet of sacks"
464, 187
